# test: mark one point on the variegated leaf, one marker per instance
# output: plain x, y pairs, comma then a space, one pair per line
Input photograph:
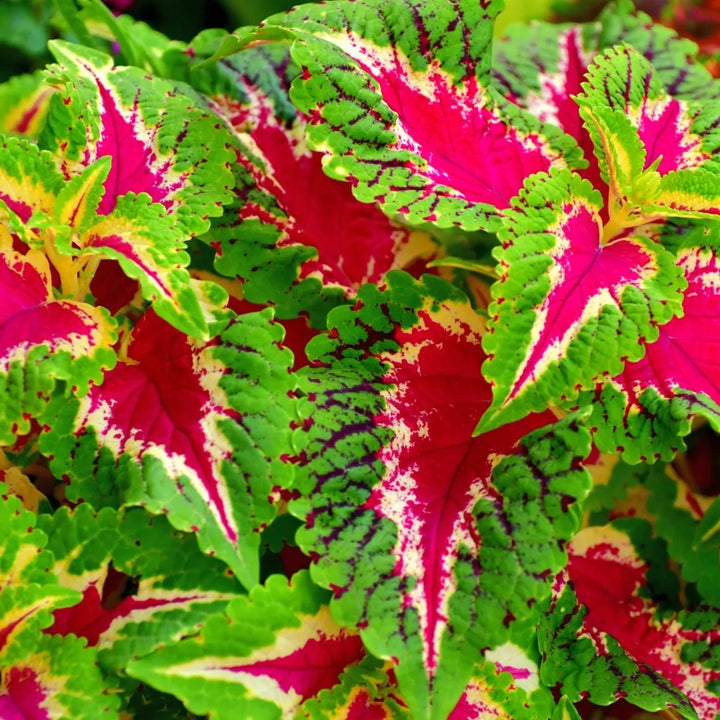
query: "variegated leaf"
262, 658
644, 412
416, 526
24, 101
146, 169
57, 680
675, 59
302, 246
192, 430
144, 584
504, 688
29, 591
541, 66
569, 309
140, 237
655, 152
611, 637
30, 181
354, 242
367, 689
43, 341
397, 95
159, 141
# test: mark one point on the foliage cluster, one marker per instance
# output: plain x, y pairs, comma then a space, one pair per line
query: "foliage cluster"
348, 365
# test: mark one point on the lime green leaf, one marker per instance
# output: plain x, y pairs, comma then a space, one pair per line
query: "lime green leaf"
262, 658
567, 308
197, 431
389, 87
417, 527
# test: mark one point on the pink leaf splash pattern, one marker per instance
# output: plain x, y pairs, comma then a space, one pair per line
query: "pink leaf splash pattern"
316, 664
549, 95
676, 134
646, 410
410, 123
156, 137
436, 472
685, 355
355, 242
276, 648
401, 539
568, 308
58, 339
677, 646
177, 408
57, 679
458, 136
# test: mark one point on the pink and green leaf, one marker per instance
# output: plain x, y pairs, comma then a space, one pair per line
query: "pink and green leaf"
29, 592
141, 238
43, 341
304, 247
158, 587
354, 242
29, 178
57, 680
674, 58
646, 410
506, 688
417, 537
610, 604
387, 100
541, 67
192, 430
567, 308
24, 102
655, 151
265, 656
160, 142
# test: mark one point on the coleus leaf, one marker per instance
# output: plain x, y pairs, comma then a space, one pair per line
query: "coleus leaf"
624, 645
58, 217
30, 181
24, 101
146, 169
43, 342
646, 410
541, 67
353, 242
568, 308
173, 585
687, 521
192, 430
655, 151
57, 680
389, 88
138, 235
506, 688
415, 525
159, 141
29, 592
263, 657
675, 59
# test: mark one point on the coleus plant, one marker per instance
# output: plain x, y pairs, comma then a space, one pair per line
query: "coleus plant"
348, 364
